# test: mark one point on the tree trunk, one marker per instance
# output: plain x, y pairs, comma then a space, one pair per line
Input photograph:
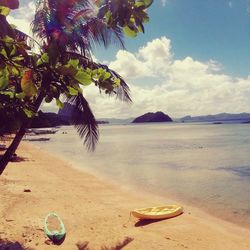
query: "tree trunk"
14, 145
19, 136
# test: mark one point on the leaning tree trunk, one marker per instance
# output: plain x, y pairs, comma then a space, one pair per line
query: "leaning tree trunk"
19, 136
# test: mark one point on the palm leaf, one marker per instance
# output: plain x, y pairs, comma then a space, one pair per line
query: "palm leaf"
122, 92
84, 121
95, 31
21, 36
76, 22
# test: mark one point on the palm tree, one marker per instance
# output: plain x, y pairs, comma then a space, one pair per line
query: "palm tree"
68, 30
74, 25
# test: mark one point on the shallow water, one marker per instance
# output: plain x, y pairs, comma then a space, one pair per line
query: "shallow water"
205, 165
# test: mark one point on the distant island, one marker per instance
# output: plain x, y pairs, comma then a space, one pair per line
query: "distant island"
62, 118
222, 117
153, 117
66, 112
48, 120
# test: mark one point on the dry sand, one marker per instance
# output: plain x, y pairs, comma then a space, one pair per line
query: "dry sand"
97, 212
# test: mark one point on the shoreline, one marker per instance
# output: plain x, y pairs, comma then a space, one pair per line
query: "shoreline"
94, 210
174, 198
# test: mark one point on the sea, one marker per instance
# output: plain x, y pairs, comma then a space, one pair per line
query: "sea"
202, 164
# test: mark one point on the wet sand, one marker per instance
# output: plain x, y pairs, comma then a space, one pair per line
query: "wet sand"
97, 212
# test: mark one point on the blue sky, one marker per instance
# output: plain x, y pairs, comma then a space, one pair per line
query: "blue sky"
204, 30
193, 59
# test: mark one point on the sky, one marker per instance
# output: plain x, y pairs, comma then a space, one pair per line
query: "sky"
193, 59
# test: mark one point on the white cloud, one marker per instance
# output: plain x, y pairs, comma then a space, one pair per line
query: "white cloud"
50, 107
181, 87
22, 17
158, 81
163, 2
156, 55
134, 67
230, 4
21, 24
151, 60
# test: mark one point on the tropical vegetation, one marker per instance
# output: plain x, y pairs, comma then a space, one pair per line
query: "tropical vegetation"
57, 64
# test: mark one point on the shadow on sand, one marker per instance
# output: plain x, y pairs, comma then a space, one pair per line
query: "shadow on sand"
8, 245
142, 223
59, 242
16, 158
55, 241
83, 245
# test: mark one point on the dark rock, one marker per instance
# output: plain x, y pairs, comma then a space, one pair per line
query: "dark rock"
9, 220
82, 245
153, 117
48, 242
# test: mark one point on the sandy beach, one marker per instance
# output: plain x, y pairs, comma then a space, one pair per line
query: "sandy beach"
97, 212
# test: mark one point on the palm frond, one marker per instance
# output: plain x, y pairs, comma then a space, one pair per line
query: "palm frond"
97, 32
122, 92
76, 23
84, 121
21, 36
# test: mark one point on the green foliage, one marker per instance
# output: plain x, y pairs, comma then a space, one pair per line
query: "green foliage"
43, 59
73, 91
28, 113
82, 77
127, 14
63, 66
4, 78
22, 74
130, 31
59, 103
4, 11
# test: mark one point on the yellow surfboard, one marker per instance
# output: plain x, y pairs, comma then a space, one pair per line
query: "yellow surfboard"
157, 213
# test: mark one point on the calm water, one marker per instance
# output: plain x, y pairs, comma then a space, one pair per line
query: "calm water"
206, 165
